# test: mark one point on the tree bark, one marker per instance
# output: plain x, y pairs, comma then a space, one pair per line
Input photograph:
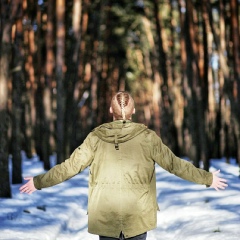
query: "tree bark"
158, 79
5, 58
236, 68
30, 86
71, 78
183, 63
60, 71
207, 90
17, 105
193, 108
164, 54
47, 125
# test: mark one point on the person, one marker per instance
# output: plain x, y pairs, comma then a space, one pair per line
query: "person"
121, 156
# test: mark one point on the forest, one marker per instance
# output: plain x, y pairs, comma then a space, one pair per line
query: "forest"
62, 61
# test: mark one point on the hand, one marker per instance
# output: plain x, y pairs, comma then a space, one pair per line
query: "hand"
218, 183
28, 187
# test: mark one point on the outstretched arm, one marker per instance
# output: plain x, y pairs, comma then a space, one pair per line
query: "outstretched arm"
28, 187
77, 162
218, 183
184, 169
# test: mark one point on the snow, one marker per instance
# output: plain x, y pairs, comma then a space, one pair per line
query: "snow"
188, 211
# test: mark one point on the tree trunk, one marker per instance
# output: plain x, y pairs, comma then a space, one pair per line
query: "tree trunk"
95, 32
175, 84
221, 73
158, 79
81, 88
183, 55
49, 79
43, 91
71, 78
60, 70
40, 127
207, 89
29, 104
46, 116
94, 83
222, 96
194, 109
17, 106
236, 67
5, 57
164, 57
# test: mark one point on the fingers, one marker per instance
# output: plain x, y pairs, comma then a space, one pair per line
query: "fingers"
220, 184
216, 172
24, 189
27, 188
222, 180
223, 185
27, 178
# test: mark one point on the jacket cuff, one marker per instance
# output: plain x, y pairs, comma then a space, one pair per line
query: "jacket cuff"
209, 180
36, 183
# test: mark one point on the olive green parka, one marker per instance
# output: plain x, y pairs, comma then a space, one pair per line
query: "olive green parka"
122, 183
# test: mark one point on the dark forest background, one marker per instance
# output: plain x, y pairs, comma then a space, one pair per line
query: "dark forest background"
61, 61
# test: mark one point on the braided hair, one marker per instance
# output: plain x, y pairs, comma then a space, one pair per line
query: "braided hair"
122, 105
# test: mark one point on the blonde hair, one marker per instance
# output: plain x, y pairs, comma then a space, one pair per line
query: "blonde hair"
122, 106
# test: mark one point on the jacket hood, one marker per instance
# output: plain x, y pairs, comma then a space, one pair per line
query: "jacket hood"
118, 132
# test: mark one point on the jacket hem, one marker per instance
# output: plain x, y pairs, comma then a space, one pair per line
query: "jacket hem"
116, 234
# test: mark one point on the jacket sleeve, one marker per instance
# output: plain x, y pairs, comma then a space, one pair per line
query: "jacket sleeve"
81, 158
163, 156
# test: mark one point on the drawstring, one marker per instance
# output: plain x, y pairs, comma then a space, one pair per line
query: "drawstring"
116, 138
116, 142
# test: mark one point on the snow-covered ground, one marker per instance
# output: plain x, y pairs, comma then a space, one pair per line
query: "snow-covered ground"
188, 211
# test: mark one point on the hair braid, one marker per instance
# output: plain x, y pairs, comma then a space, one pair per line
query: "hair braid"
122, 102
122, 105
